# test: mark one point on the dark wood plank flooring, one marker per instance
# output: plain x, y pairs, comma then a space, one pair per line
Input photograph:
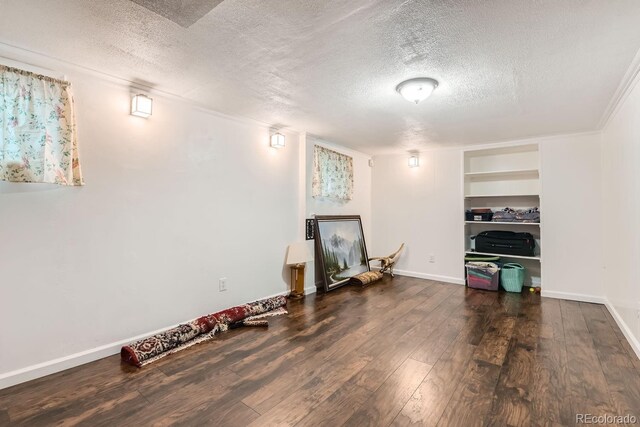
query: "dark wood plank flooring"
401, 352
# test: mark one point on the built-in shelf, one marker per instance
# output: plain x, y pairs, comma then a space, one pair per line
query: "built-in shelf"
502, 223
478, 196
504, 256
497, 177
502, 174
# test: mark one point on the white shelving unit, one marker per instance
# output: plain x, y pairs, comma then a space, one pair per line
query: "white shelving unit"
502, 177
480, 196
537, 258
504, 174
518, 224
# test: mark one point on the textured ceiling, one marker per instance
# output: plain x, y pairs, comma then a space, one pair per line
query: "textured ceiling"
507, 69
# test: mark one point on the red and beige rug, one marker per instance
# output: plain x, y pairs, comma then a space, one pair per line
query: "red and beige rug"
204, 328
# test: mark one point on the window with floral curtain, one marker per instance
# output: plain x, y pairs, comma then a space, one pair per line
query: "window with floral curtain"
332, 174
38, 140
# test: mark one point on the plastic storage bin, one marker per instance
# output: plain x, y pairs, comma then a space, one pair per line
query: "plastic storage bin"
483, 275
512, 277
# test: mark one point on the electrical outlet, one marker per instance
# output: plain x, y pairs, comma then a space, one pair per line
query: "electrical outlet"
432, 258
222, 284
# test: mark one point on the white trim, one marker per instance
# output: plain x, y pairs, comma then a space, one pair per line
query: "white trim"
310, 290
60, 364
67, 362
632, 340
33, 68
436, 277
530, 140
574, 297
43, 369
316, 140
502, 143
628, 82
16, 54
278, 294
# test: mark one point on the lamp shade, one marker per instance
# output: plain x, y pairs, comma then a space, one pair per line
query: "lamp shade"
415, 90
298, 253
141, 106
277, 140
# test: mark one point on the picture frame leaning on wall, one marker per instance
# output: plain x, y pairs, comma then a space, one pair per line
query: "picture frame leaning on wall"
340, 249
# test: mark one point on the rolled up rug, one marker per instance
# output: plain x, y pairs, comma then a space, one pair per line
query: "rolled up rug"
155, 347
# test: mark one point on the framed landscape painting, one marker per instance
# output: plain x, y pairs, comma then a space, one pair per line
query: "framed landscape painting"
340, 248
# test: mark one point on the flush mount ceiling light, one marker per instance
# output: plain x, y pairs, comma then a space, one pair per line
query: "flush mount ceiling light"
141, 106
277, 140
415, 90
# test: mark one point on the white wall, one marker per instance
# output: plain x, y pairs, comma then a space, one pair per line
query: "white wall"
177, 201
421, 207
360, 204
170, 205
621, 219
571, 210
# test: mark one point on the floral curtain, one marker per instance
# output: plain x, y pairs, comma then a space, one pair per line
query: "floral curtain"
38, 140
332, 174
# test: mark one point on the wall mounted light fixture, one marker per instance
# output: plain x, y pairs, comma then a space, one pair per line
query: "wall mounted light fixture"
414, 161
141, 106
415, 90
277, 140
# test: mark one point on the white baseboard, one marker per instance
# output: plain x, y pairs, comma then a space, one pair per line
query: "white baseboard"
71, 361
60, 364
39, 370
574, 297
436, 277
632, 340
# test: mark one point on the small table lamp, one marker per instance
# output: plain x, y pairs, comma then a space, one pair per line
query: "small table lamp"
297, 255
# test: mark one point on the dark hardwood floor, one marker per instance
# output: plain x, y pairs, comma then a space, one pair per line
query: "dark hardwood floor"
400, 352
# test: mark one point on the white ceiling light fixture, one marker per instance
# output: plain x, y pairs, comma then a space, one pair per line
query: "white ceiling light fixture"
415, 90
414, 160
277, 140
141, 106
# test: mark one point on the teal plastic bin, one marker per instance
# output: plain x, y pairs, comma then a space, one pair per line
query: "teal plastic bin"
512, 277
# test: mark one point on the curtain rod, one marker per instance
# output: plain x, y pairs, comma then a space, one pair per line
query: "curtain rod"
35, 75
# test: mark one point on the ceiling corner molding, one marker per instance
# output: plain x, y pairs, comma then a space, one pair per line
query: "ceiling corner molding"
332, 145
41, 63
33, 68
628, 82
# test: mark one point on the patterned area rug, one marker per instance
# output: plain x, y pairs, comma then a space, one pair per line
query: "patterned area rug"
204, 328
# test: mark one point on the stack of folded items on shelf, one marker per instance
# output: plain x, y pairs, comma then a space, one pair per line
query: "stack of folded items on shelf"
531, 215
